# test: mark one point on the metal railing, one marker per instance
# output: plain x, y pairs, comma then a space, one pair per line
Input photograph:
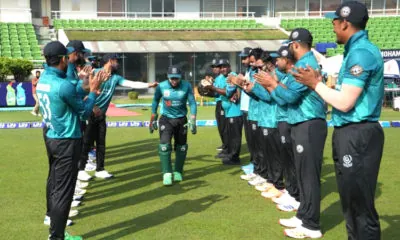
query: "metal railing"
307, 14
155, 15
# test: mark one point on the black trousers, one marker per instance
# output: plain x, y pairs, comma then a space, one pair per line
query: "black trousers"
173, 127
287, 158
221, 123
234, 127
308, 147
63, 155
357, 154
95, 132
255, 135
247, 129
270, 162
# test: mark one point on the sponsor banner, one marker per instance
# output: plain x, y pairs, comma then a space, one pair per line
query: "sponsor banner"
385, 124
121, 124
138, 124
396, 124
16, 94
206, 123
37, 124
390, 54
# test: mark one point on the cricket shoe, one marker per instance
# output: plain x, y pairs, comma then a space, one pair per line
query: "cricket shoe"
84, 176
272, 193
257, 181
103, 174
264, 187
167, 179
47, 221
73, 213
289, 207
90, 166
77, 197
81, 185
302, 232
248, 177
79, 191
293, 222
75, 203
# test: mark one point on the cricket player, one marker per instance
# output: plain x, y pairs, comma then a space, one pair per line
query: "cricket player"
96, 128
358, 137
174, 93
233, 115
61, 110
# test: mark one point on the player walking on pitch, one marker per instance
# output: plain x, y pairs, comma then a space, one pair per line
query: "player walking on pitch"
175, 93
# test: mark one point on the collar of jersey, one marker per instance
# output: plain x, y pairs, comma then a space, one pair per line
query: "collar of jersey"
354, 39
57, 71
307, 55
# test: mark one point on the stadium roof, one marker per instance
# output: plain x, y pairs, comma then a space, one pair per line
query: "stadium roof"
179, 46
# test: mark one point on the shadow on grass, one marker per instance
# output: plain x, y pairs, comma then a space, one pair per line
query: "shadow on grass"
142, 176
393, 230
332, 216
175, 210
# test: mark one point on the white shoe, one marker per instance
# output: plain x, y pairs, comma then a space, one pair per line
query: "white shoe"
302, 232
264, 187
103, 174
291, 222
79, 191
90, 166
47, 221
84, 176
77, 197
257, 181
75, 203
284, 198
73, 213
34, 114
290, 207
81, 185
248, 177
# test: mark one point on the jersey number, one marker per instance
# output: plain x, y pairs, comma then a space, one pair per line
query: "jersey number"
44, 103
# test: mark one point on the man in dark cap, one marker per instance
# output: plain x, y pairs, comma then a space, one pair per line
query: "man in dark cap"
175, 93
61, 110
233, 122
358, 137
96, 128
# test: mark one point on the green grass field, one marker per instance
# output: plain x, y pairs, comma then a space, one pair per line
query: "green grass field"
211, 203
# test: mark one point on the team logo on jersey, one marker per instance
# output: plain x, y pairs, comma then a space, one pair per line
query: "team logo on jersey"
265, 132
356, 70
167, 93
345, 12
347, 161
295, 35
299, 148
283, 139
162, 128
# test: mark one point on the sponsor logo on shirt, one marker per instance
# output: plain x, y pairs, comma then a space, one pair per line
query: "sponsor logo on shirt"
347, 161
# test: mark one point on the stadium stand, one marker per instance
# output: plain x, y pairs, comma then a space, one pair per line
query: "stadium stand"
383, 31
152, 25
19, 40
